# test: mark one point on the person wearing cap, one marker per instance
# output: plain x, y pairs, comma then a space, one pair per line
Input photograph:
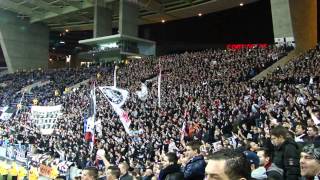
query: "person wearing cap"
310, 162
257, 173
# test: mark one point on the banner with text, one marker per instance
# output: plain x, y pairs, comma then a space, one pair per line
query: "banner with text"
45, 117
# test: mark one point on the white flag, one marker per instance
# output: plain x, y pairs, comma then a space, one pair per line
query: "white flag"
68, 58
143, 93
117, 97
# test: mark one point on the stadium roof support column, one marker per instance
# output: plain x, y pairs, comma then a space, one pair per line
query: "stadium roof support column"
304, 22
128, 17
102, 19
281, 19
24, 45
295, 18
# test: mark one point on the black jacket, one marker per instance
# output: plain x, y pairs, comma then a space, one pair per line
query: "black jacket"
126, 177
195, 169
287, 157
174, 168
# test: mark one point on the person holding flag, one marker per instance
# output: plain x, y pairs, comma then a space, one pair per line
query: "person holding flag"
89, 122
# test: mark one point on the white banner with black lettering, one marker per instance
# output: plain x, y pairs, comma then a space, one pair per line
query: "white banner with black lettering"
117, 97
45, 117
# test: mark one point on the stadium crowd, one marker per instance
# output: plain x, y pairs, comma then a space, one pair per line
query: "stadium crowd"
208, 105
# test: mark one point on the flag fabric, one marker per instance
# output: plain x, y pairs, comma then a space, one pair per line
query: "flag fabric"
89, 121
117, 97
143, 93
185, 128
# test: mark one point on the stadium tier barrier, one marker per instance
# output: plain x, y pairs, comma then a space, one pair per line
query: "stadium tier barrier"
16, 162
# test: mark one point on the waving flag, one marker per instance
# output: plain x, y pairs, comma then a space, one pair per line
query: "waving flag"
143, 93
117, 97
90, 120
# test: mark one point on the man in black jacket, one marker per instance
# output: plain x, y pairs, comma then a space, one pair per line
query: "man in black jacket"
171, 166
194, 169
286, 154
124, 174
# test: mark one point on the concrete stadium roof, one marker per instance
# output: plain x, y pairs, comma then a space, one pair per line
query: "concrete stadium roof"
78, 14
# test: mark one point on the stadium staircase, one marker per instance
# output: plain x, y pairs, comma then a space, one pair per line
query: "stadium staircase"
280, 63
79, 84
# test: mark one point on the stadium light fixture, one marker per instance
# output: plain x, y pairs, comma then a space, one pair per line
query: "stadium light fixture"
241, 4
199, 14
163, 21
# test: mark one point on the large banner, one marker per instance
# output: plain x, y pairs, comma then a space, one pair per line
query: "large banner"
117, 97
45, 117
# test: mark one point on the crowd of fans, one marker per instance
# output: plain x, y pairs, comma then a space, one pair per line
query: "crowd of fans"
208, 104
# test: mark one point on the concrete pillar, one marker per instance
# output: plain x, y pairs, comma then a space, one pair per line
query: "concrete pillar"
102, 19
304, 23
128, 18
281, 19
24, 45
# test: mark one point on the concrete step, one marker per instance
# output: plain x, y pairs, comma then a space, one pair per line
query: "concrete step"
280, 63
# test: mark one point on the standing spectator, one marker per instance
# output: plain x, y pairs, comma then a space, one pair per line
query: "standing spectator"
171, 166
286, 154
310, 162
113, 173
124, 174
228, 164
273, 172
89, 173
195, 166
257, 172
313, 136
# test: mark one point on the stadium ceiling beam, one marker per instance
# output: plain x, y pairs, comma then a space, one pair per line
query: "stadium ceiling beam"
44, 5
151, 5
64, 11
16, 7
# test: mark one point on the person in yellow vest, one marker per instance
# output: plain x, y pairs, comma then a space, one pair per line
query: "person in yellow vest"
33, 174
22, 172
66, 90
35, 101
13, 171
3, 170
56, 93
54, 172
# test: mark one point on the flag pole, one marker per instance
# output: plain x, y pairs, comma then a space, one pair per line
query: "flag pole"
115, 76
159, 86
